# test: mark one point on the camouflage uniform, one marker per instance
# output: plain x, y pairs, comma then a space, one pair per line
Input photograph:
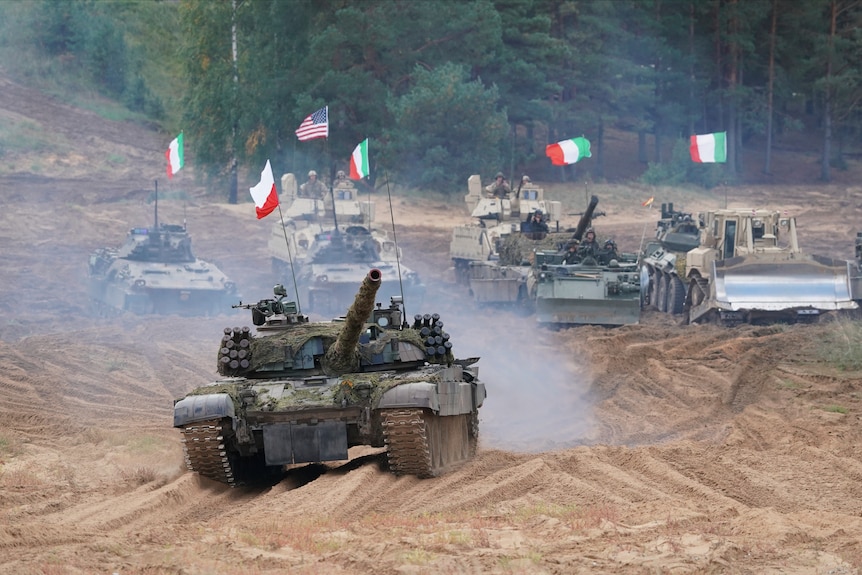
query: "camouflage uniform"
499, 188
313, 188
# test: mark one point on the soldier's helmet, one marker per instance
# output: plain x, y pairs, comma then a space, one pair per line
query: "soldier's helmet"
590, 231
610, 244
526, 179
312, 173
340, 174
537, 213
499, 175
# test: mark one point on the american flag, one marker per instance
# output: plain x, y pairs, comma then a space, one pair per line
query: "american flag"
314, 126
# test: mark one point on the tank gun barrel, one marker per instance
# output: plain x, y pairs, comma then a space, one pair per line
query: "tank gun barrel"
341, 356
586, 217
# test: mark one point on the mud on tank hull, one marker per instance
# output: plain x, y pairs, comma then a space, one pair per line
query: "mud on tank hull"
238, 429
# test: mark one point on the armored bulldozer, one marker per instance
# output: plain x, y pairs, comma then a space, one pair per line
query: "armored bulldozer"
155, 272
748, 268
338, 260
493, 219
662, 283
300, 392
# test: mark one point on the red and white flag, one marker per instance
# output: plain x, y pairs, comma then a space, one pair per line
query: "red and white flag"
314, 126
264, 194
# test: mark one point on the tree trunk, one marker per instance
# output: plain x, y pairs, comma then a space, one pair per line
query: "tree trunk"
600, 151
825, 171
732, 79
642, 151
767, 164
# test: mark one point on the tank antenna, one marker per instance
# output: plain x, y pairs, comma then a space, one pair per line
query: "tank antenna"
156, 207
290, 259
395, 240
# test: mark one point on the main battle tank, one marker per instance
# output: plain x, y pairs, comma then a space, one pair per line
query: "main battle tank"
155, 271
299, 392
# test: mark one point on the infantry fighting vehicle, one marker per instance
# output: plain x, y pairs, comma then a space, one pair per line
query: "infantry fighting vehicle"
748, 267
493, 220
587, 286
155, 271
333, 245
338, 260
299, 392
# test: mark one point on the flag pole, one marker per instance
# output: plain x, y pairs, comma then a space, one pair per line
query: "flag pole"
290, 259
395, 239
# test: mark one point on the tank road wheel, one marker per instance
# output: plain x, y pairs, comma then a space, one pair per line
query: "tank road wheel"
675, 296
661, 301
424, 444
205, 449
653, 289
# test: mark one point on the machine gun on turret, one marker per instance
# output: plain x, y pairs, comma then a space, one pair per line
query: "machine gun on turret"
267, 308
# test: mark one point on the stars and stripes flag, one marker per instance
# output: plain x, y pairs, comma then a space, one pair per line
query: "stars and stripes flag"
314, 126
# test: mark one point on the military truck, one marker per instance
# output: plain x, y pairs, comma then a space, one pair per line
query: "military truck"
301, 392
748, 267
156, 272
492, 220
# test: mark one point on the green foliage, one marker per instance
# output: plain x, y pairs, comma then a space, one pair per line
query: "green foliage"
680, 169
448, 127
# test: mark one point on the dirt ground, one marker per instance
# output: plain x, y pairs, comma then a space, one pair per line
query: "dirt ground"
655, 448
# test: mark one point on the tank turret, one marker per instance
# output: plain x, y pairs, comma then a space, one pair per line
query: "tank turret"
304, 392
342, 357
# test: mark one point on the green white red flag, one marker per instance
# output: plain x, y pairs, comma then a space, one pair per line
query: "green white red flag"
264, 194
568, 151
359, 161
709, 148
175, 156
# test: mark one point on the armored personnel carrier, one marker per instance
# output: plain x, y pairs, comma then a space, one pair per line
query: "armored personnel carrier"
663, 261
299, 392
494, 219
155, 271
747, 268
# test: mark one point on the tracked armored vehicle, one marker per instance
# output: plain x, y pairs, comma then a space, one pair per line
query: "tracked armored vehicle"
586, 286
494, 219
339, 260
505, 280
299, 392
748, 268
155, 272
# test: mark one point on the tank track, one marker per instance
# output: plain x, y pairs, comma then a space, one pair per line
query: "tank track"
205, 453
427, 445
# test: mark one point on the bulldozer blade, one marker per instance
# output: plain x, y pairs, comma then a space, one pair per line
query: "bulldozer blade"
815, 283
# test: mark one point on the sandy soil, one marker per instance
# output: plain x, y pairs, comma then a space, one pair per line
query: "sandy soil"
655, 448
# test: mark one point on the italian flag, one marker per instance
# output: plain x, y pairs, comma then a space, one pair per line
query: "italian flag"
568, 151
175, 156
359, 161
709, 148
264, 195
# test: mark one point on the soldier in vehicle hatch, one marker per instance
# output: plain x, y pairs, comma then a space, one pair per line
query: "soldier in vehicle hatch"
536, 224
589, 246
313, 188
499, 188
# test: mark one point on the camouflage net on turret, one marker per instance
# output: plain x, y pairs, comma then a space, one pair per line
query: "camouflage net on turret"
517, 249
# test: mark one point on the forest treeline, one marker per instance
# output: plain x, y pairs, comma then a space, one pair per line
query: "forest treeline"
447, 88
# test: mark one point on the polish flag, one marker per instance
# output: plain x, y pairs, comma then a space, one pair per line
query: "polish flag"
264, 194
